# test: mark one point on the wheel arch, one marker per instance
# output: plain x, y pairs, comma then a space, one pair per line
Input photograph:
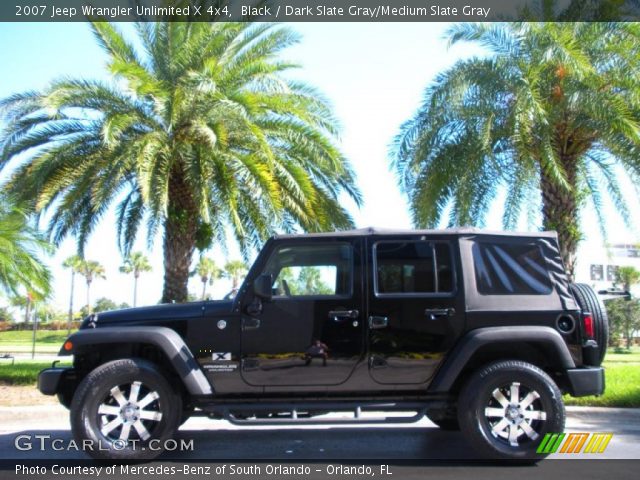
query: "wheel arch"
159, 344
541, 346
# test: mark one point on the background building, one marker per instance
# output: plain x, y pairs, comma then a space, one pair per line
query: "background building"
597, 263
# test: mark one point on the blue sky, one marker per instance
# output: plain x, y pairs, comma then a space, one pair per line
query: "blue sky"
374, 74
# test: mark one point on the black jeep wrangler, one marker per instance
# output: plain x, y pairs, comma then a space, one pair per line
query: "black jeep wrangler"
479, 331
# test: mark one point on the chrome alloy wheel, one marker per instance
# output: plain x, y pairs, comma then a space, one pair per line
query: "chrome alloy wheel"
515, 414
129, 412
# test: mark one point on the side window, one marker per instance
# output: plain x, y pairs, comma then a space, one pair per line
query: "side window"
311, 270
311, 280
413, 267
510, 269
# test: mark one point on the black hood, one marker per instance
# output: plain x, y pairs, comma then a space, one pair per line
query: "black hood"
157, 313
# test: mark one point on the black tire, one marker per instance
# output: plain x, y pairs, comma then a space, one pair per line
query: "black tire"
186, 415
588, 301
445, 418
110, 388
479, 406
65, 399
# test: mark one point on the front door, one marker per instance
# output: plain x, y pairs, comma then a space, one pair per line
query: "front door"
311, 332
414, 314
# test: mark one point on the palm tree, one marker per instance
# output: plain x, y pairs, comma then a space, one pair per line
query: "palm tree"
90, 270
311, 283
73, 263
25, 302
20, 244
136, 263
628, 276
548, 116
207, 270
234, 270
578, 10
199, 133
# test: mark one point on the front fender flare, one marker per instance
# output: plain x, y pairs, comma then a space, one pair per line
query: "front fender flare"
470, 343
165, 339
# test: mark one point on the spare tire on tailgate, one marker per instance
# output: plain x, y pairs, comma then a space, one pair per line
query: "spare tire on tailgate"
588, 301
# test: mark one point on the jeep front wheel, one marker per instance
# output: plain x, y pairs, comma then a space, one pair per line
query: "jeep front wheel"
507, 407
126, 410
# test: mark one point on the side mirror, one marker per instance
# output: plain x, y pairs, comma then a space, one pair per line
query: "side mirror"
262, 286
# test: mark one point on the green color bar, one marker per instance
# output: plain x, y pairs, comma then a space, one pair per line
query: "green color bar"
545, 440
550, 443
557, 444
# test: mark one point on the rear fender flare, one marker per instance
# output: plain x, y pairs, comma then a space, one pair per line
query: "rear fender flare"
459, 356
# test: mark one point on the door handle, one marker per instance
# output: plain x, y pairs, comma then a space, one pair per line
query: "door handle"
341, 315
434, 313
376, 322
250, 323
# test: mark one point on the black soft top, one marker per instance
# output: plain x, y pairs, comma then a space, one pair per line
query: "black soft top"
558, 297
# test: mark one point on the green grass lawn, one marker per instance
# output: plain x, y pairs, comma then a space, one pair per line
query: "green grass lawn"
26, 336
622, 382
618, 358
21, 373
47, 341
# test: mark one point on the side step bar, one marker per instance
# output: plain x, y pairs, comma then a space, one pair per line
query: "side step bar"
296, 413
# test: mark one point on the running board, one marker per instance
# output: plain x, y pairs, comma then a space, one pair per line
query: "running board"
296, 414
294, 420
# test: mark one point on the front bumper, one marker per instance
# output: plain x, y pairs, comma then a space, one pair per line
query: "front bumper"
585, 381
52, 380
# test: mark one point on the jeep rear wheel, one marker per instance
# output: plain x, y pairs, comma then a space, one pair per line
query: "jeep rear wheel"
123, 406
507, 407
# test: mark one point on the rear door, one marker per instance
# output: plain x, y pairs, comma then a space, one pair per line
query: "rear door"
415, 312
312, 330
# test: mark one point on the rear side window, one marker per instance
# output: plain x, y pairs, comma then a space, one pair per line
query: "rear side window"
413, 267
510, 269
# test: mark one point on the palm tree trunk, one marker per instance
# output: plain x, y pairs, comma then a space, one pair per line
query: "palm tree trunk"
560, 209
88, 296
35, 332
27, 309
628, 323
179, 238
204, 289
73, 279
135, 290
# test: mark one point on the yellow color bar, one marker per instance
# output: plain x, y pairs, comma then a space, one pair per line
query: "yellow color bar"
590, 444
607, 439
598, 442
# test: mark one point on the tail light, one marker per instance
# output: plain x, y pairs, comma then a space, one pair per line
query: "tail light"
587, 321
